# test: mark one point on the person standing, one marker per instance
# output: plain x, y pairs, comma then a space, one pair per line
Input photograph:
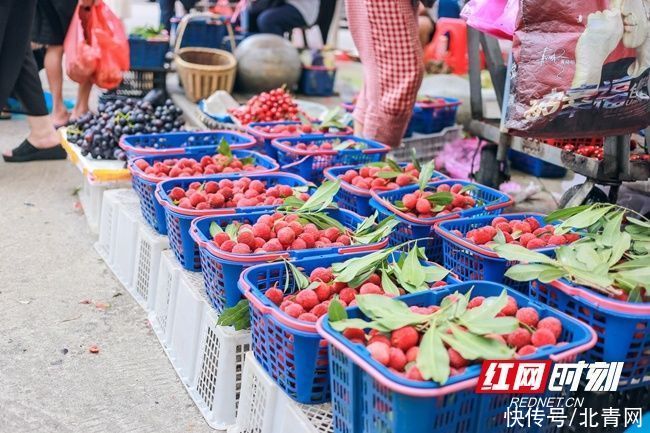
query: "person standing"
19, 76
386, 35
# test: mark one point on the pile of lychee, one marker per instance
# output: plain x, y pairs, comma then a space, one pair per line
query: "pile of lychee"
309, 304
398, 350
418, 205
528, 233
369, 177
188, 167
227, 193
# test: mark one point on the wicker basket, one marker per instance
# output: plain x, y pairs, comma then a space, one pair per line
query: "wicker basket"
203, 71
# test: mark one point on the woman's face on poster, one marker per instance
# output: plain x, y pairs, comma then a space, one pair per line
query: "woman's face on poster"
636, 22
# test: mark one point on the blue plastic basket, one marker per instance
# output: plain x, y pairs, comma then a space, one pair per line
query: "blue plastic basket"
181, 142
621, 327
431, 117
317, 81
147, 54
358, 199
368, 398
410, 228
473, 262
535, 166
179, 219
201, 31
291, 351
145, 185
265, 138
221, 269
310, 164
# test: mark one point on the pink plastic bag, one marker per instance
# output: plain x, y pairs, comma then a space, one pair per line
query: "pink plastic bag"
495, 17
108, 35
81, 57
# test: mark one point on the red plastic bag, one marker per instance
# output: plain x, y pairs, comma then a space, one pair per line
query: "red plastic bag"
109, 37
81, 57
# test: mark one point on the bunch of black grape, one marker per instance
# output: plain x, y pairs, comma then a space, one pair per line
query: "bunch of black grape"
98, 134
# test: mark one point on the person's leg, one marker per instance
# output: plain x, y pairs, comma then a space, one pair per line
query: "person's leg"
359, 30
53, 63
396, 66
425, 29
166, 12
279, 20
83, 96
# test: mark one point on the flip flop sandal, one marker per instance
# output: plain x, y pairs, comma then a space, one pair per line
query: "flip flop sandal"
27, 152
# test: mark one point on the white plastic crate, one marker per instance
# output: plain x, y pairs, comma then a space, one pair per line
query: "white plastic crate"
112, 200
147, 262
219, 369
426, 146
127, 234
265, 408
161, 317
188, 312
91, 195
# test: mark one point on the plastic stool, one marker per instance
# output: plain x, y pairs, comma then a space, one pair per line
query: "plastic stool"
449, 45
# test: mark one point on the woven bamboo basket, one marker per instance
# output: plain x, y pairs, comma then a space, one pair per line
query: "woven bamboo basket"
203, 71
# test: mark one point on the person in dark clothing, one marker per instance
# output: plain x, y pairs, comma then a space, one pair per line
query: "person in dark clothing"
280, 17
19, 76
167, 10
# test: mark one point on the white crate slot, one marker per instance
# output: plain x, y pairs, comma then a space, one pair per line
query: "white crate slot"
91, 196
265, 408
219, 370
147, 263
113, 199
127, 233
162, 316
189, 312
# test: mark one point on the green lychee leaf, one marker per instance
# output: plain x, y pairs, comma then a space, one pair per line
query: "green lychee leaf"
335, 311
224, 148
215, 228
425, 174
342, 325
471, 346
433, 359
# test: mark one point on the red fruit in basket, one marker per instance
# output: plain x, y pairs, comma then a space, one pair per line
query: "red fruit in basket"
228, 245
456, 360
344, 239
498, 220
379, 338
403, 180
286, 236
220, 238
332, 233
141, 164
571, 237
412, 354
518, 338
294, 310
511, 307
482, 237
543, 337
298, 244
405, 337
323, 292
216, 200
527, 350
369, 288
397, 358
202, 206
185, 203
557, 240
528, 316
476, 301
246, 237
275, 295
414, 373
273, 245
535, 243
455, 188
410, 201
504, 227
197, 198
347, 295
211, 187
307, 298
320, 309
423, 206
308, 317
177, 193
351, 333
380, 352
552, 324
241, 248
443, 188
261, 230
439, 284
533, 223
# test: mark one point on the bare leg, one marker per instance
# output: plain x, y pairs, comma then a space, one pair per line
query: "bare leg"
41, 133
425, 30
54, 70
83, 95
